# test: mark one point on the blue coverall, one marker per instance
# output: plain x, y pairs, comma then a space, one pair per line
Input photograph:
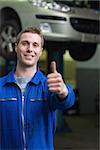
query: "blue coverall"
31, 125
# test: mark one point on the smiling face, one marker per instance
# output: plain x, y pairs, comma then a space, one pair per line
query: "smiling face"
29, 49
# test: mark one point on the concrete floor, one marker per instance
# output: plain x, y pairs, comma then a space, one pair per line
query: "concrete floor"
84, 133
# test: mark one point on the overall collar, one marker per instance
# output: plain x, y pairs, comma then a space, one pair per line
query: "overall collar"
36, 79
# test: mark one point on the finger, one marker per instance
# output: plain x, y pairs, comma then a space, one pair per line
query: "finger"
54, 80
56, 85
53, 67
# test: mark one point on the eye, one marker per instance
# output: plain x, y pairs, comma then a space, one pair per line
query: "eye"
25, 43
35, 44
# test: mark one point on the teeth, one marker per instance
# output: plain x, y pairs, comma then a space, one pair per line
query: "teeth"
29, 56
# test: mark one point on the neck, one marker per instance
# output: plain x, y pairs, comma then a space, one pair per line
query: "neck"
25, 71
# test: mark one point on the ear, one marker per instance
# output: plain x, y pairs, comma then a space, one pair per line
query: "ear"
16, 47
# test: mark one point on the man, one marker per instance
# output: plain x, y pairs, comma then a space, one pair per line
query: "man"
28, 100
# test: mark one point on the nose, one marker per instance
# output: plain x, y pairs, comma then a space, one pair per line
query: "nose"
30, 48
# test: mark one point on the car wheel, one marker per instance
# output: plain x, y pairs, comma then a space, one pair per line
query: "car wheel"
8, 32
82, 51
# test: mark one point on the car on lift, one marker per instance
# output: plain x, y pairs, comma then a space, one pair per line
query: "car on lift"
63, 26
82, 27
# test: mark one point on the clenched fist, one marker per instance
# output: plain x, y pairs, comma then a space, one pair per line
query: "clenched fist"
56, 83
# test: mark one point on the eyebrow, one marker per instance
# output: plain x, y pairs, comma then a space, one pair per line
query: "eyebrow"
25, 41
29, 42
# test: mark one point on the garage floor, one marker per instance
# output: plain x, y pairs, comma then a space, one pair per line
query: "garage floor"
83, 133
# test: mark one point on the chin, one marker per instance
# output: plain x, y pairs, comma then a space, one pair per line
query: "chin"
28, 64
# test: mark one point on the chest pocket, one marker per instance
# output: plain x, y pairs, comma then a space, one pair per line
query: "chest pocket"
38, 99
39, 105
8, 112
8, 99
8, 104
39, 102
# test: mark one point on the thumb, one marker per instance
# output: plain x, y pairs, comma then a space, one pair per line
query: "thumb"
53, 67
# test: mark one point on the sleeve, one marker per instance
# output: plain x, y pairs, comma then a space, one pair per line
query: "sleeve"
56, 103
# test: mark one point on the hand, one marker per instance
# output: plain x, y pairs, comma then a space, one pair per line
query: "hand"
56, 83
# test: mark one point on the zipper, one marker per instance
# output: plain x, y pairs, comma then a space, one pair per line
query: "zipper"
23, 129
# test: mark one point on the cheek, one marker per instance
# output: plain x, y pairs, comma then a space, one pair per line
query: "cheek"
19, 55
20, 51
38, 53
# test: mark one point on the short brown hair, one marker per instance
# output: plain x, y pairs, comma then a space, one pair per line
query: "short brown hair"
30, 29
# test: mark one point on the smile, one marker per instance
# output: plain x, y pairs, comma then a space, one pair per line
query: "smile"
29, 56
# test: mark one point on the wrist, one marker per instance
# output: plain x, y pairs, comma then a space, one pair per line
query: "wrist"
64, 93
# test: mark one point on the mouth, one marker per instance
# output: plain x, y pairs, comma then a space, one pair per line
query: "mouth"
29, 56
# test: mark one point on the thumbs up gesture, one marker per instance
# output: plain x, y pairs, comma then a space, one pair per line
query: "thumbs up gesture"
56, 83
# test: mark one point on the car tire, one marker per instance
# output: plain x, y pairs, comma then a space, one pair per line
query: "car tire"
8, 31
82, 51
